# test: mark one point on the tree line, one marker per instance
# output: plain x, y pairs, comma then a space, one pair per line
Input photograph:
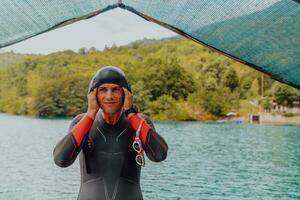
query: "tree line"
172, 79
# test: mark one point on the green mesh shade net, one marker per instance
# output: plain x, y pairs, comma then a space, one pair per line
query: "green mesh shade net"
262, 34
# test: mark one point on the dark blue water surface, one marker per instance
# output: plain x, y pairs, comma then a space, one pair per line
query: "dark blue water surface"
205, 161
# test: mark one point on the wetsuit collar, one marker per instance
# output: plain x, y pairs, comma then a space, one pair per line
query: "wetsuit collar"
101, 120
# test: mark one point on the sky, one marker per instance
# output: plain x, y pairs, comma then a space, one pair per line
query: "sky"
116, 26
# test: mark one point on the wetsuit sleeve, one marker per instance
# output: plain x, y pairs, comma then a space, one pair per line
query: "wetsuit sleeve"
67, 149
154, 145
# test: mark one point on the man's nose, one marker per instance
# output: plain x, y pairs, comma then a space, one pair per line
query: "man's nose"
109, 94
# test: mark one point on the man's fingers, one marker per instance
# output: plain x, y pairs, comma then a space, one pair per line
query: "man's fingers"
93, 91
128, 99
127, 93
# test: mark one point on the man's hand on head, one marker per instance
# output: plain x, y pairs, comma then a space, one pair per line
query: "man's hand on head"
93, 105
128, 99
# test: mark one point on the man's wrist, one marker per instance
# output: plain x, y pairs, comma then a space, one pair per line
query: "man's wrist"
91, 114
132, 110
130, 115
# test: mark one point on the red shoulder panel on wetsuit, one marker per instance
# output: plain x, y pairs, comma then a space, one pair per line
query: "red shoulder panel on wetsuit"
135, 121
81, 128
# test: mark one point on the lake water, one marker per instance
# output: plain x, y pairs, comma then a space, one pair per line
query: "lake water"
205, 161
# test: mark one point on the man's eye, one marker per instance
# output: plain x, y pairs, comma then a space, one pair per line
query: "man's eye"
117, 89
102, 90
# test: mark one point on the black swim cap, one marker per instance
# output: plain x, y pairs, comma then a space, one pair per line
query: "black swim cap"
109, 74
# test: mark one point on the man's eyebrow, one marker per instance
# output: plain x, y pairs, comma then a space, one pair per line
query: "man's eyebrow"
114, 87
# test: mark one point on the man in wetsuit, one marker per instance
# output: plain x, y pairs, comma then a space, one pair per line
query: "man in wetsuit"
111, 138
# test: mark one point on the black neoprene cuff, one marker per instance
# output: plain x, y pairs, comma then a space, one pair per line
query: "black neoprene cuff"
132, 109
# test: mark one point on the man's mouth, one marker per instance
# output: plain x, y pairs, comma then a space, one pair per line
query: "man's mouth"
110, 103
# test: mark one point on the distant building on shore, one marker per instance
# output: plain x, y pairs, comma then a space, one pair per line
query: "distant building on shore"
295, 109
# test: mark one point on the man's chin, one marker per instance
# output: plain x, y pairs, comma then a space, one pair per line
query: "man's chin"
111, 111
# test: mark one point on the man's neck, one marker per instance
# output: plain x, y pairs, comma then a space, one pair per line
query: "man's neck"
111, 119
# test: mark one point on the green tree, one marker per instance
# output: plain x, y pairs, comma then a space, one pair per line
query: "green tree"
63, 97
82, 51
167, 108
92, 49
165, 76
285, 95
141, 96
231, 79
218, 102
267, 104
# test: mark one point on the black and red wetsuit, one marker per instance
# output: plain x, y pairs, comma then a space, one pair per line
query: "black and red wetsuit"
107, 160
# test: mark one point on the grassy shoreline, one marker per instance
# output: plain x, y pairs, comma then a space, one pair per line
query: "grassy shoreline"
295, 120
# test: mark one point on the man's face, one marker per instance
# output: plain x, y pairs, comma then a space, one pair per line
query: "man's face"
110, 97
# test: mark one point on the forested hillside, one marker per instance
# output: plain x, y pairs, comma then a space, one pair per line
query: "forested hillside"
174, 79
9, 59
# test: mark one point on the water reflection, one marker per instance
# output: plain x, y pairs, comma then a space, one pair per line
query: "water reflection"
205, 161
